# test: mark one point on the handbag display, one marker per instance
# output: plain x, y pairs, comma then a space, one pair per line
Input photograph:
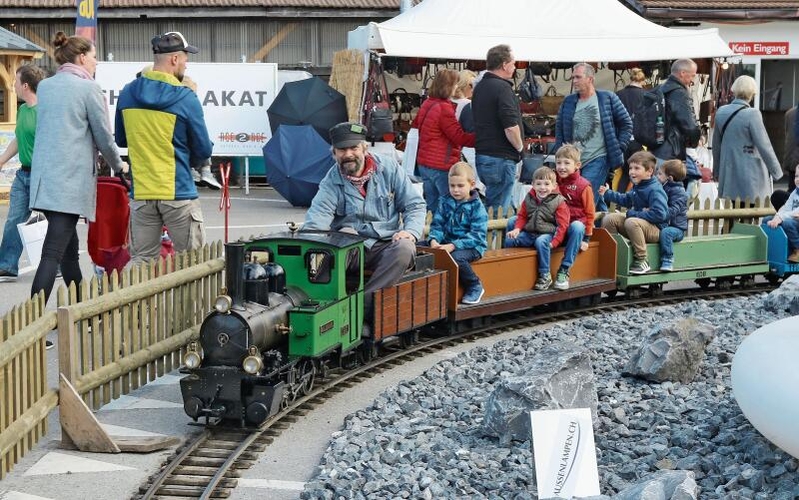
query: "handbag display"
32, 233
550, 101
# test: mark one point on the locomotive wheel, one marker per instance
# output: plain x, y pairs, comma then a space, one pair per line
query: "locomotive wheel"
704, 283
611, 294
773, 279
747, 281
656, 290
724, 283
307, 373
368, 351
633, 292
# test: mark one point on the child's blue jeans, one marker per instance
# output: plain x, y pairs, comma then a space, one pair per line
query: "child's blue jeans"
668, 237
541, 243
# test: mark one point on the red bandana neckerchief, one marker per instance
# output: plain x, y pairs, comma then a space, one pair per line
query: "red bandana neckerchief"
369, 169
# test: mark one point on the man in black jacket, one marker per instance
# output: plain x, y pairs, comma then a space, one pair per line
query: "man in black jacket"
682, 129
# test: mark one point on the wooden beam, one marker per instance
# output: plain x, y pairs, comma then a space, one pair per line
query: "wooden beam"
79, 424
273, 42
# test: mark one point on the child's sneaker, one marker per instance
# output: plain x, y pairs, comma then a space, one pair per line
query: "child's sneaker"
562, 280
6, 276
473, 294
667, 265
543, 282
639, 267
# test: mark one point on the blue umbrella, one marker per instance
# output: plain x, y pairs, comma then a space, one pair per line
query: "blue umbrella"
296, 159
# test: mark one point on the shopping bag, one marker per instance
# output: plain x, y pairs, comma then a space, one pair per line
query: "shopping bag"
411, 147
32, 233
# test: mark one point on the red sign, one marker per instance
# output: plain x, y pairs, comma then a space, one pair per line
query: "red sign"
760, 48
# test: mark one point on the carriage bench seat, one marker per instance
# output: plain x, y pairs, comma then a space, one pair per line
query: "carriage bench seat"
510, 270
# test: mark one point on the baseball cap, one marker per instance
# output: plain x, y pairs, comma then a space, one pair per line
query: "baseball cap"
173, 41
347, 135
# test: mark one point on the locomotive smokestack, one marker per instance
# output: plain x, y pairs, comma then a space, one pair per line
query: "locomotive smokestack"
234, 274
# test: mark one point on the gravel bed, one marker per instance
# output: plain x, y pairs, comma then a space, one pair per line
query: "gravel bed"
422, 438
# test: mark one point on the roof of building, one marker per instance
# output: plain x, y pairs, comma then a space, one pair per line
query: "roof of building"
710, 10
721, 4
10, 41
127, 4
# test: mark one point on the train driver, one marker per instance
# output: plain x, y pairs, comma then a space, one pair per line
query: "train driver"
369, 194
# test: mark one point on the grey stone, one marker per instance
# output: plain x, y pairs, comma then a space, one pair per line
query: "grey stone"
559, 376
784, 298
671, 352
666, 484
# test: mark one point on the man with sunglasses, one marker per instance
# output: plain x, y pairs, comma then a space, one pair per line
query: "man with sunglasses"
161, 123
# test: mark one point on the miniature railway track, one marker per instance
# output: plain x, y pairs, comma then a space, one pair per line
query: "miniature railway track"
208, 465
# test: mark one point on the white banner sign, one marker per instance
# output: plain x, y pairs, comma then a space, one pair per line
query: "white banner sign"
565, 457
234, 96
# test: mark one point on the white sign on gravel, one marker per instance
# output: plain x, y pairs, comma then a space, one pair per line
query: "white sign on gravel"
564, 453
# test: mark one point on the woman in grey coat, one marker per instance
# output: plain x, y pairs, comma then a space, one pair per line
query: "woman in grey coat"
744, 162
72, 123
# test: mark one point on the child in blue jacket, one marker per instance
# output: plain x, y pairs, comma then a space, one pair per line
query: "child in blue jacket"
671, 175
459, 226
647, 210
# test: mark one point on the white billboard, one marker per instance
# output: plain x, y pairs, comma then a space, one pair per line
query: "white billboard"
234, 96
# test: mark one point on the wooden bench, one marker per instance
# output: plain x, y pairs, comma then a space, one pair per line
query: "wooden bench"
507, 271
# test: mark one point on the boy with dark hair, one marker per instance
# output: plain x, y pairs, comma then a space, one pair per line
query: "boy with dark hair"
541, 223
459, 226
671, 174
647, 209
579, 196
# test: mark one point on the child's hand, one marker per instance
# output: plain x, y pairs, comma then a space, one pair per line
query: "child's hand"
513, 233
434, 244
603, 188
583, 246
449, 247
773, 223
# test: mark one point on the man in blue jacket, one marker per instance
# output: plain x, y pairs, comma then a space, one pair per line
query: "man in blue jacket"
161, 123
597, 123
372, 196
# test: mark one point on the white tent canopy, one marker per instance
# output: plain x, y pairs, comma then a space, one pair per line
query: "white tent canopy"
536, 30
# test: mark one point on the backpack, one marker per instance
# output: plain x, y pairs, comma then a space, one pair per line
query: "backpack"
528, 89
649, 119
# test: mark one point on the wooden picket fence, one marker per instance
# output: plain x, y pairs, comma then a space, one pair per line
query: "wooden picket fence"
25, 400
117, 334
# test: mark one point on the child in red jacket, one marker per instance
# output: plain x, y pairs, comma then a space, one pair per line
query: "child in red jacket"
580, 198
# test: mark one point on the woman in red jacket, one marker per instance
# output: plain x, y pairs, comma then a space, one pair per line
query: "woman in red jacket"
440, 137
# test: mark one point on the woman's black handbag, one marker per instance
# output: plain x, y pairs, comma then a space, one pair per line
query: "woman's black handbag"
529, 89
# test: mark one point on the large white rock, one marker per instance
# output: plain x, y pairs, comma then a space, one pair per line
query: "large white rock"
765, 382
